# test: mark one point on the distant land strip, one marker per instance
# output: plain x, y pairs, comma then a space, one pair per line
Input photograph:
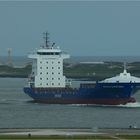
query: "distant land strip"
87, 71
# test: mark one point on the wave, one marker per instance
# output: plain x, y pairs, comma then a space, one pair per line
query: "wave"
128, 105
13, 101
131, 105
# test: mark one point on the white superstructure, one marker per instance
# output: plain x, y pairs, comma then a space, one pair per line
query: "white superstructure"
124, 77
47, 68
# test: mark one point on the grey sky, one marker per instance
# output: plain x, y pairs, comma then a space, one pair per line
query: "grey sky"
103, 28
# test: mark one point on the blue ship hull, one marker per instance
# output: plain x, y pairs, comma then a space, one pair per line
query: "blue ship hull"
99, 93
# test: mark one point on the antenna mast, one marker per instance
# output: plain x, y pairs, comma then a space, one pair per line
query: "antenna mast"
125, 67
46, 38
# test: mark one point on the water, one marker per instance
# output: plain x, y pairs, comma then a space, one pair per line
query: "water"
17, 112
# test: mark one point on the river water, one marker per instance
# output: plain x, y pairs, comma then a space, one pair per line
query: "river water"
16, 111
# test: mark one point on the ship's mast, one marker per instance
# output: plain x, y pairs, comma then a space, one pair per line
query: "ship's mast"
125, 67
46, 39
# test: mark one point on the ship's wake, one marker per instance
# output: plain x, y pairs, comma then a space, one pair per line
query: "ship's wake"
13, 101
131, 105
128, 105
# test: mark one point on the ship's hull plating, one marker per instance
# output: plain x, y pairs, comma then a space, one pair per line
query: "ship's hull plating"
100, 93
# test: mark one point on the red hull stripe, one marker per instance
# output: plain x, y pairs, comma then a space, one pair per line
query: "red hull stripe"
96, 101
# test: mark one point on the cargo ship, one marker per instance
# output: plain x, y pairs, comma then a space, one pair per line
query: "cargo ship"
47, 83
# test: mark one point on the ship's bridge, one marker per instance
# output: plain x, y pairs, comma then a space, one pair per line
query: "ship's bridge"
50, 51
47, 67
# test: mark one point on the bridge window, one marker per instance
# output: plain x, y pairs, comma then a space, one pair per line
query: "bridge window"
48, 53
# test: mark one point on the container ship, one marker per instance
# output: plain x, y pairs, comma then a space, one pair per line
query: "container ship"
47, 84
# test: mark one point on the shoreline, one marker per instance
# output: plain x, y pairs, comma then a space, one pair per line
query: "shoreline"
12, 76
69, 131
89, 71
69, 134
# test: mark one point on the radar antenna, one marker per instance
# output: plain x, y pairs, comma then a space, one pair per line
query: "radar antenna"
46, 38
